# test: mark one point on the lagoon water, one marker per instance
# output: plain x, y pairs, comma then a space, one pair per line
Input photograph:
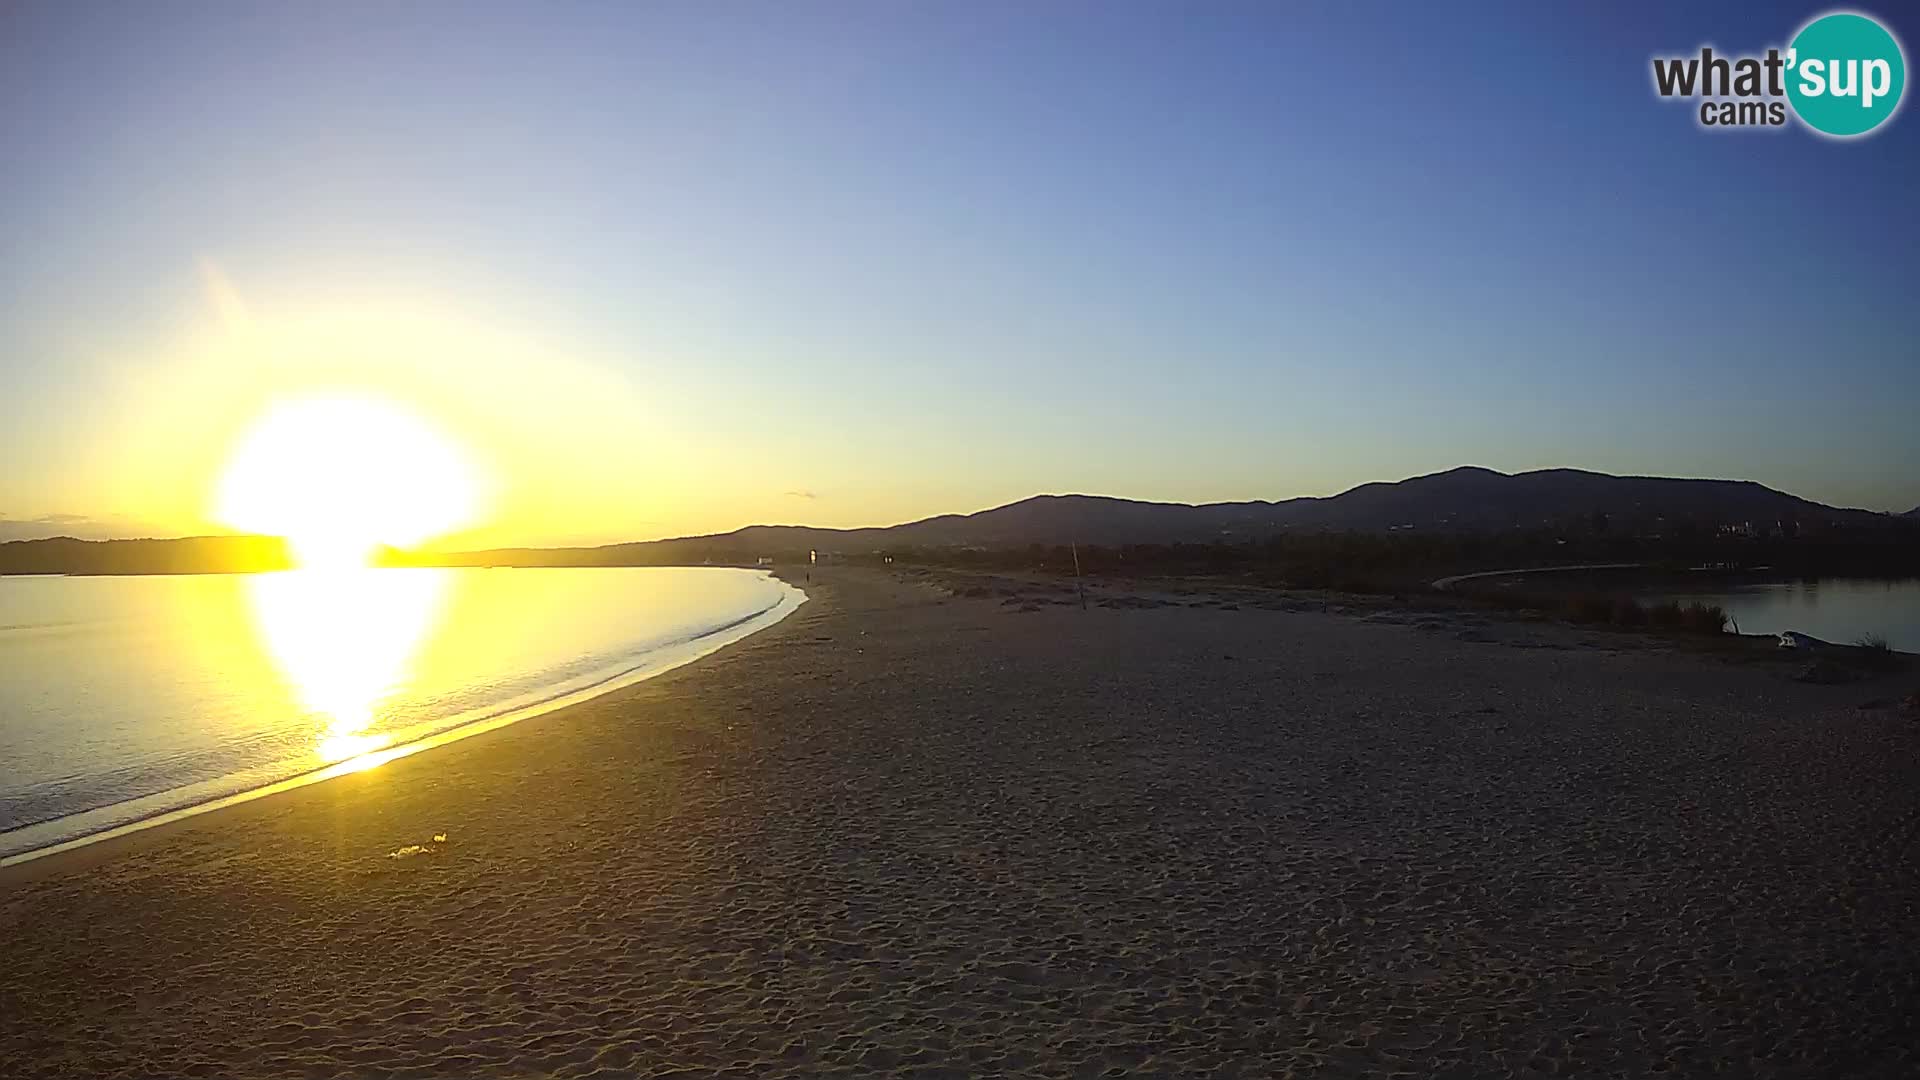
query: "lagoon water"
1841, 610
124, 698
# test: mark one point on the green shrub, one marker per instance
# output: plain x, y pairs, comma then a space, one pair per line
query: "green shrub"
1698, 618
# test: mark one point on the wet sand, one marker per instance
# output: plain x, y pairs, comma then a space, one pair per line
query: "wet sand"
908, 833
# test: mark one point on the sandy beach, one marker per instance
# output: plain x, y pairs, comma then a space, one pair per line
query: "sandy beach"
908, 832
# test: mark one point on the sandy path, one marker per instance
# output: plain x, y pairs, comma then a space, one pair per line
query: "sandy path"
954, 838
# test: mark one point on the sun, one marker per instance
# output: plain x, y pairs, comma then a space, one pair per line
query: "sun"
340, 475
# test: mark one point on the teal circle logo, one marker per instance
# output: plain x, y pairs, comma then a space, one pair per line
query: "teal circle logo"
1845, 74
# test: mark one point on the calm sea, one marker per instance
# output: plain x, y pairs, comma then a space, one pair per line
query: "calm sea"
1841, 610
125, 698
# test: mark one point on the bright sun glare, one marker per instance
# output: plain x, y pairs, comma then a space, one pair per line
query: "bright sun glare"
341, 475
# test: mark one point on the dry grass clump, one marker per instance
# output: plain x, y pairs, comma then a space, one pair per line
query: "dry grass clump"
1622, 611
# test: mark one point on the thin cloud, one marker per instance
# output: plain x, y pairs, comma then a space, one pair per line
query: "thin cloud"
79, 526
804, 494
226, 301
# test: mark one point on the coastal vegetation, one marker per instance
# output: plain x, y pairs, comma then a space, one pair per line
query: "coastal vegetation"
1407, 561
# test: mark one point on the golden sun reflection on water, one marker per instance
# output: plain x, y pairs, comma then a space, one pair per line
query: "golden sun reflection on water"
345, 640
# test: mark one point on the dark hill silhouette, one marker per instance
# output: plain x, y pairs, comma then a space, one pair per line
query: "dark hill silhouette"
187, 555
1466, 499
1470, 498
1462, 500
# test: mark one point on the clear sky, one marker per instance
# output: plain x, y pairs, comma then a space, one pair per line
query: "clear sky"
676, 268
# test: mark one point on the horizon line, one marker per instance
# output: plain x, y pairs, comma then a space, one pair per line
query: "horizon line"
963, 514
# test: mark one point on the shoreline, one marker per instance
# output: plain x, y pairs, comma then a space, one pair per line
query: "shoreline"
654, 663
274, 800
904, 830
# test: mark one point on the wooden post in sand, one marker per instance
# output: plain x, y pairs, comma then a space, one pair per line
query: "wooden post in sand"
1075, 548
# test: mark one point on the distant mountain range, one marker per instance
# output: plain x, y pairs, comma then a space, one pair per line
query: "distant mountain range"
187, 555
1465, 499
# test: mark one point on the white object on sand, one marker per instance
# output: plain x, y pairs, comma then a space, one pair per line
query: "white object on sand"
1794, 639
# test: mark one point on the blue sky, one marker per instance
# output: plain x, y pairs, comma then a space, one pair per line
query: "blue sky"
678, 268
